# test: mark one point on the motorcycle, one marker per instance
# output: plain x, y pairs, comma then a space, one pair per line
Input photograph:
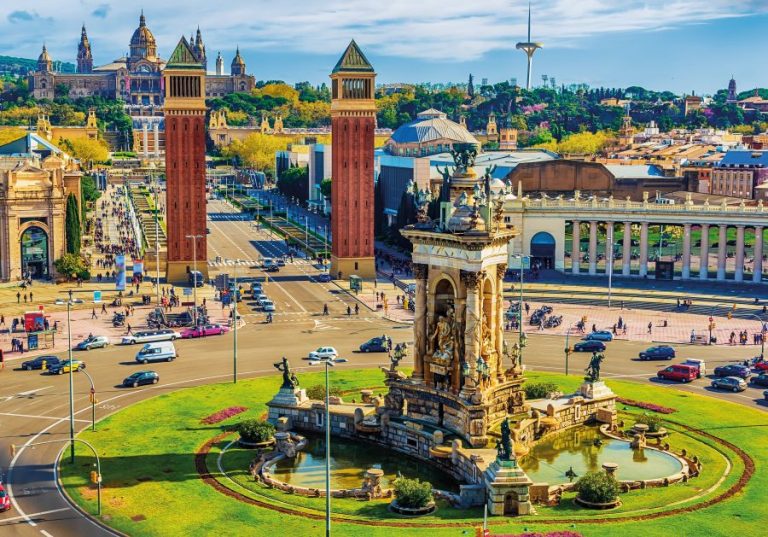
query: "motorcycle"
118, 320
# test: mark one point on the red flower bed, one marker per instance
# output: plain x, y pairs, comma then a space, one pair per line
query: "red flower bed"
548, 534
647, 406
224, 414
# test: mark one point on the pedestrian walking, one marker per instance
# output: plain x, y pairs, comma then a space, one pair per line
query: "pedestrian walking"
103, 308
93, 313
2, 320
594, 327
25, 298
650, 326
614, 329
349, 310
18, 297
357, 309
325, 309
129, 328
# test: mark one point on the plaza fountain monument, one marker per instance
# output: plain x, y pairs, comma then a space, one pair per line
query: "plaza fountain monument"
463, 407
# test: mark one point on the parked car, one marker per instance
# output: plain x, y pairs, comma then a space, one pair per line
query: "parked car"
590, 345
5, 499
323, 277
161, 351
733, 370
761, 365
141, 377
735, 384
149, 336
698, 364
376, 344
760, 380
659, 352
323, 353
37, 363
599, 335
63, 367
204, 330
765, 395
681, 373
92, 342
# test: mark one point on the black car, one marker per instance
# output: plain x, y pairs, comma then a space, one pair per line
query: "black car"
589, 346
659, 352
376, 344
733, 370
760, 380
141, 377
271, 268
37, 363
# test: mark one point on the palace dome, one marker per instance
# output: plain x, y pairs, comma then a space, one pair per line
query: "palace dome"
431, 125
143, 43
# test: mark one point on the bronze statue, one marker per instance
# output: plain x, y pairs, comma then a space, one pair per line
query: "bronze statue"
593, 369
289, 378
504, 448
400, 352
441, 341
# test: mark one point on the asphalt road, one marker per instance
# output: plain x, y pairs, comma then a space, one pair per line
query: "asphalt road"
34, 406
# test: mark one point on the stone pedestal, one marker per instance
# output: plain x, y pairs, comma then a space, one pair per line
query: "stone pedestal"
508, 489
595, 390
289, 397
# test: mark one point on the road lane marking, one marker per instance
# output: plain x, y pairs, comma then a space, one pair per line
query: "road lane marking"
41, 513
29, 392
46, 533
14, 415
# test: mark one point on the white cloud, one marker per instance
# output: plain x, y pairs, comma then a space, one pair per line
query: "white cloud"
435, 30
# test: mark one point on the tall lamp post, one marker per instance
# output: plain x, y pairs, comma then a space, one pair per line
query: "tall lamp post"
521, 335
234, 324
762, 334
194, 267
153, 180
92, 398
71, 382
327, 363
568, 349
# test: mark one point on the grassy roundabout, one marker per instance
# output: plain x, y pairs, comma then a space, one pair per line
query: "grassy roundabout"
153, 487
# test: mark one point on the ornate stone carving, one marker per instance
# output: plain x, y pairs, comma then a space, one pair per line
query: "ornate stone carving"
420, 271
472, 279
501, 270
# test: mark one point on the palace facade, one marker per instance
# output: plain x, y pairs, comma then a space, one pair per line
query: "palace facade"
136, 78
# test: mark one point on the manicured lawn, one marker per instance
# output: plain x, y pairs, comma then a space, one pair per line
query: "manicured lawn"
152, 487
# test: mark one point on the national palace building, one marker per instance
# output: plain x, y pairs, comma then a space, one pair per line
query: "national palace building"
135, 78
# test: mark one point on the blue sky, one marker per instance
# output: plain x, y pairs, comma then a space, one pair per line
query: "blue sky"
681, 45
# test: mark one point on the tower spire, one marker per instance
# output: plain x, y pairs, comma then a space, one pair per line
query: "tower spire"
529, 22
529, 47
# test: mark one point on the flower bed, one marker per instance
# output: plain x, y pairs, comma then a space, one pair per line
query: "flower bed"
223, 414
537, 534
646, 406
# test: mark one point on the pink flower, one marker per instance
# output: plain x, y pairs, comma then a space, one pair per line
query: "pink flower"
646, 406
224, 414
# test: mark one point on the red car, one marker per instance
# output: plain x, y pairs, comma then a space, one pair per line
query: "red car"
5, 500
761, 365
204, 330
680, 372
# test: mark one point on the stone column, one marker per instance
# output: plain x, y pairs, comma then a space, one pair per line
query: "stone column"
739, 274
501, 270
471, 281
643, 249
576, 247
626, 251
593, 247
704, 254
722, 249
420, 272
757, 271
145, 140
686, 251
156, 136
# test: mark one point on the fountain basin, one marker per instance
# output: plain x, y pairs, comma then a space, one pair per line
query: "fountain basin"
550, 458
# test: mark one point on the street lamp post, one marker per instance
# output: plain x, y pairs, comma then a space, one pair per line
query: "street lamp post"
234, 326
306, 234
153, 179
71, 382
567, 349
609, 261
762, 333
92, 399
327, 363
521, 336
194, 267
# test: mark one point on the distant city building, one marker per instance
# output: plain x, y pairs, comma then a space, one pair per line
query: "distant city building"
430, 133
732, 98
741, 174
754, 102
692, 103
135, 78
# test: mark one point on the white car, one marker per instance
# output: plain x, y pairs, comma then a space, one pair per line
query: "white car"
267, 306
323, 353
150, 336
261, 298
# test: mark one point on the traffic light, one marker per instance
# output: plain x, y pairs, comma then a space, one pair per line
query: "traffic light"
730, 315
92, 396
94, 477
12, 448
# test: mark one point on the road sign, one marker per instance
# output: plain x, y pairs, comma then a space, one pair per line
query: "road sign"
187, 291
97, 296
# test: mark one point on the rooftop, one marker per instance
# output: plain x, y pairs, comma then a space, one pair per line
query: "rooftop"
745, 158
429, 126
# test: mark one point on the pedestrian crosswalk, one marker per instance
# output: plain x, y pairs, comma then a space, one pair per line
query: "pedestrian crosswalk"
221, 262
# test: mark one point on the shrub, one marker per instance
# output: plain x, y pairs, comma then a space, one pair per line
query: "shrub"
652, 421
255, 430
539, 390
412, 493
597, 487
317, 392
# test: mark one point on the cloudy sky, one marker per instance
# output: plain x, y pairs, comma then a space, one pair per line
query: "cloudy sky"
682, 45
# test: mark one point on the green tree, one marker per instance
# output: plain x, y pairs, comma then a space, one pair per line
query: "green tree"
72, 226
294, 182
70, 264
325, 187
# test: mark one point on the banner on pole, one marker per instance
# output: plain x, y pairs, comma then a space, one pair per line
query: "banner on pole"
120, 272
138, 267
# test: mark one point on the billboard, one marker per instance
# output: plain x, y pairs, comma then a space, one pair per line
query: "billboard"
138, 267
120, 270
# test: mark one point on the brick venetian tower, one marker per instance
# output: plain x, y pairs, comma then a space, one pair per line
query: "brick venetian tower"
184, 80
353, 121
